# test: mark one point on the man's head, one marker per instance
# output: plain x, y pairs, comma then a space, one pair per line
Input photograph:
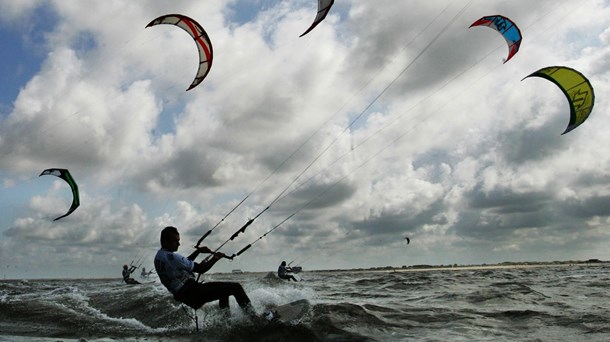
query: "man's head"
170, 238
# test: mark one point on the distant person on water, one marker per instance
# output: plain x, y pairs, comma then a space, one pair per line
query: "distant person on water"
283, 270
127, 271
145, 274
176, 274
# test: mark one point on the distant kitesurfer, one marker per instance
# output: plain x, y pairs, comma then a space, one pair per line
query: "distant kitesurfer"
283, 270
145, 274
127, 271
176, 274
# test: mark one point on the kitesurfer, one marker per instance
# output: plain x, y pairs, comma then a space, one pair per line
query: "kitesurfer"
127, 271
283, 270
145, 274
176, 274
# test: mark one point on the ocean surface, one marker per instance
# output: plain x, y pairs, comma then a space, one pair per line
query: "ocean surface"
550, 303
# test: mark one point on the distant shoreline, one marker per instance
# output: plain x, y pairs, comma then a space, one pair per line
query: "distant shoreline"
505, 265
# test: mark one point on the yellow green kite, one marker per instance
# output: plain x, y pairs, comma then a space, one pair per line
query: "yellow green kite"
576, 88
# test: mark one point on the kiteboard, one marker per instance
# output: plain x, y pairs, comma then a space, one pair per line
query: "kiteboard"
291, 314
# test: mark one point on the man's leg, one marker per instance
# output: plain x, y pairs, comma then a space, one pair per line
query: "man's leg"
196, 294
223, 302
221, 291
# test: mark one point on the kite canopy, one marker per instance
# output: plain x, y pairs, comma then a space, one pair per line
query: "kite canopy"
507, 28
65, 175
204, 45
323, 9
576, 88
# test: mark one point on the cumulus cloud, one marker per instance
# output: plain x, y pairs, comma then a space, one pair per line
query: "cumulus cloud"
14, 10
450, 146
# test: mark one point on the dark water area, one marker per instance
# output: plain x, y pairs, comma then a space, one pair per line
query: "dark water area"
551, 303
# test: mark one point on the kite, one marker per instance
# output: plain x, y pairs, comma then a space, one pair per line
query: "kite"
507, 28
65, 175
575, 87
408, 240
323, 9
204, 45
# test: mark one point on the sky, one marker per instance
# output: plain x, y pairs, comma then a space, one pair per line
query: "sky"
390, 119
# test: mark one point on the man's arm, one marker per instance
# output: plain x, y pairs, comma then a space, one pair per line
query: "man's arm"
194, 255
205, 266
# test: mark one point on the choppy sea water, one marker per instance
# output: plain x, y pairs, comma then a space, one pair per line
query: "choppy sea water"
551, 303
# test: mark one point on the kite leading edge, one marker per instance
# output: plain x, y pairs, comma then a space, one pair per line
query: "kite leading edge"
323, 9
507, 28
65, 175
201, 38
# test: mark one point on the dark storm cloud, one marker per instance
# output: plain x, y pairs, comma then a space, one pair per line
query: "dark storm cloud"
186, 169
592, 179
524, 144
498, 213
399, 223
506, 201
501, 212
433, 160
293, 231
481, 225
412, 35
261, 115
586, 208
431, 157
380, 38
317, 196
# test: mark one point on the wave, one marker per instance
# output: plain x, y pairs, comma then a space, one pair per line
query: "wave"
561, 304
93, 309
